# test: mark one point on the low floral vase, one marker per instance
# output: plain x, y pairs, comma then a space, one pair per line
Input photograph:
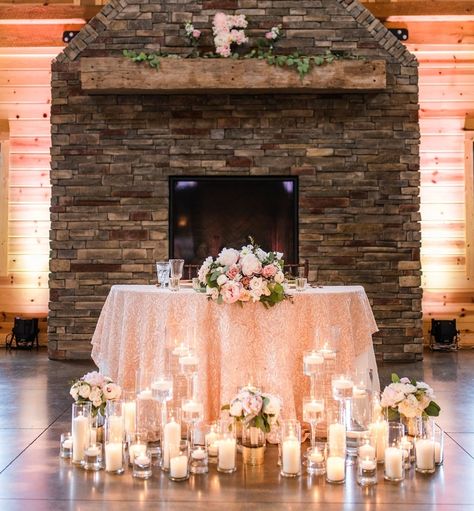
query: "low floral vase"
253, 445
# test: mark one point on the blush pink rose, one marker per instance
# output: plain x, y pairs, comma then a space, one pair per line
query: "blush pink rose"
269, 35
230, 292
269, 271
232, 272
196, 34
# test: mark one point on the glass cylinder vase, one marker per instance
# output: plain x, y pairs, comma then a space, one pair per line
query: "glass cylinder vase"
290, 438
81, 422
253, 445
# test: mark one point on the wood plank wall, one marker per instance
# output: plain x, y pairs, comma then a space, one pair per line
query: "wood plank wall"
25, 101
446, 58
446, 97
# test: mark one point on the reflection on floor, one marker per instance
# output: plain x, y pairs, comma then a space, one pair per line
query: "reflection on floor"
35, 409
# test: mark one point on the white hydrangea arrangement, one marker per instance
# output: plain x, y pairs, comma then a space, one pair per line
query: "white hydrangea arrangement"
95, 388
255, 408
409, 398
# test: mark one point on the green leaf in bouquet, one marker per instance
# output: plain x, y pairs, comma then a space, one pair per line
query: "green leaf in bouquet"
432, 409
395, 378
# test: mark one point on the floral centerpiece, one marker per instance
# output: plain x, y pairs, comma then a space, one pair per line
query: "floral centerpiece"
248, 274
408, 399
95, 388
257, 412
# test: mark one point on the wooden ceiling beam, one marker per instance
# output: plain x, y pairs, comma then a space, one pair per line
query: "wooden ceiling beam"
430, 8
16, 36
33, 12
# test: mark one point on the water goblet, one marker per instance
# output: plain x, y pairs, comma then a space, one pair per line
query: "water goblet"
176, 273
163, 273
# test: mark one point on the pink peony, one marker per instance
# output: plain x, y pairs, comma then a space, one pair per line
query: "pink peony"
269, 271
232, 272
220, 23
224, 51
230, 292
196, 33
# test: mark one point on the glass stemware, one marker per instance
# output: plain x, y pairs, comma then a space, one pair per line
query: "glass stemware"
176, 273
313, 410
163, 273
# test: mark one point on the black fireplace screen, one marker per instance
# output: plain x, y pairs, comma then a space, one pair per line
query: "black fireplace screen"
209, 213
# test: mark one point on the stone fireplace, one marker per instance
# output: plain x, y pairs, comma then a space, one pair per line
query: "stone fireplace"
355, 156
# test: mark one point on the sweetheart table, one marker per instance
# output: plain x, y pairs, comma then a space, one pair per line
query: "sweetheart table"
234, 344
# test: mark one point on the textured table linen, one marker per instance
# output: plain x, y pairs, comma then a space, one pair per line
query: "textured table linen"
233, 343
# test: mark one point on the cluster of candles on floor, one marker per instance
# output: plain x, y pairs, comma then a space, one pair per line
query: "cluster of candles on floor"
355, 427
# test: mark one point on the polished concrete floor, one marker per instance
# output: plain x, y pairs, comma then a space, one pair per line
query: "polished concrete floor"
35, 409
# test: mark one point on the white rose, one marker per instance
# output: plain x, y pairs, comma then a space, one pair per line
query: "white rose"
279, 277
279, 255
112, 391
236, 409
96, 395
409, 407
251, 265
228, 256
272, 406
213, 292
222, 279
256, 283
97, 402
84, 391
74, 392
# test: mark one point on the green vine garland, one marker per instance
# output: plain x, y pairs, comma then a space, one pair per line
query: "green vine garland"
302, 64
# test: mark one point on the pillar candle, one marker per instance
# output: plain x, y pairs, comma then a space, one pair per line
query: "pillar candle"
226, 453
379, 432
335, 468
425, 454
337, 437
80, 437
129, 416
368, 464
113, 456
291, 456
394, 462
115, 428
171, 439
179, 466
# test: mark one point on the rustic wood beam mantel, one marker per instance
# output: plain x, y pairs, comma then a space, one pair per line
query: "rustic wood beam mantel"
116, 75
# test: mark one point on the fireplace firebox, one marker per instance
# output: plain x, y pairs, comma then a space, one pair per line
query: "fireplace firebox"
209, 213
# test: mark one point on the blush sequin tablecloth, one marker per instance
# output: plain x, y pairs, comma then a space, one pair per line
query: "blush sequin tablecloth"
233, 343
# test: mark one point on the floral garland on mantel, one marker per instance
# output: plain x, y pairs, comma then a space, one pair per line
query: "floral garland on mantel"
229, 32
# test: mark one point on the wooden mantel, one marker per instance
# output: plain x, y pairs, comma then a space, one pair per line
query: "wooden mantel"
118, 75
